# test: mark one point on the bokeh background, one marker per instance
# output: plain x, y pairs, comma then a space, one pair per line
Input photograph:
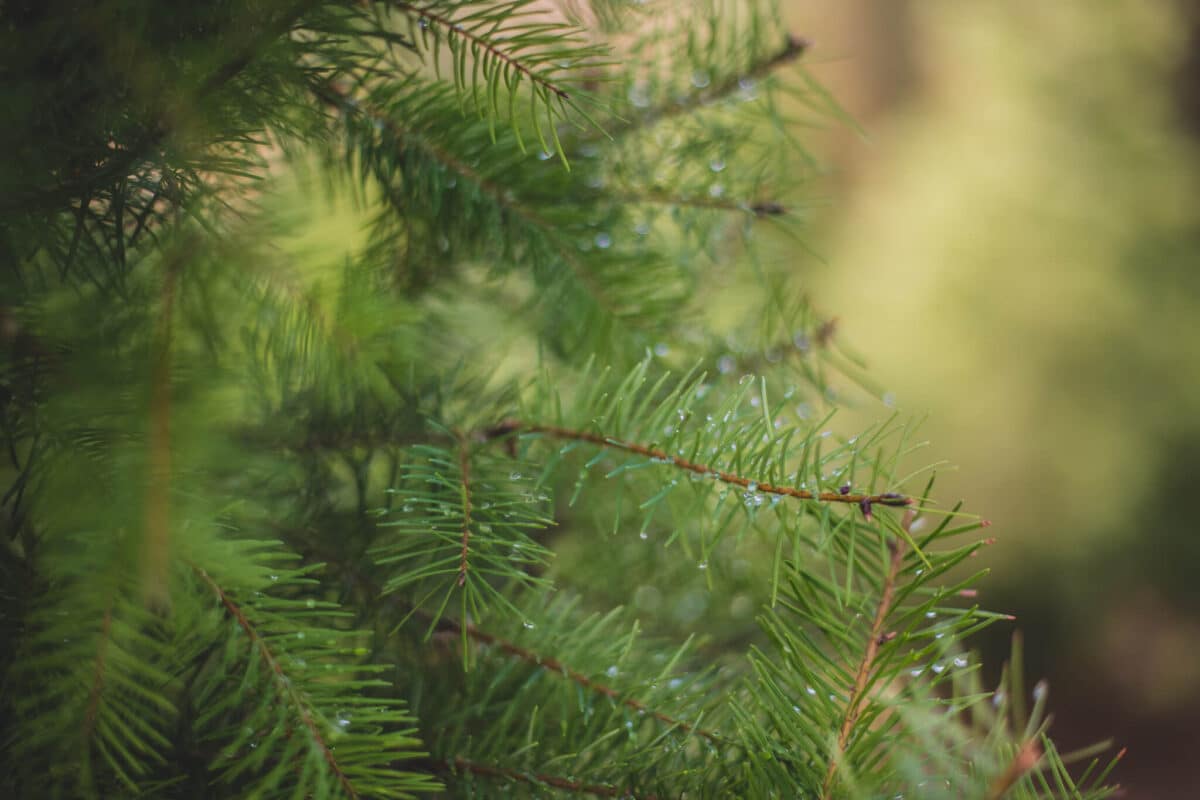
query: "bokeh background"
1014, 241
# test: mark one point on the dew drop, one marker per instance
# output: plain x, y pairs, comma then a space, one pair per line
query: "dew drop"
700, 79
639, 95
514, 476
661, 350
545, 155
527, 625
612, 671
716, 190
703, 565
716, 165
643, 535
938, 668
603, 240
311, 603
960, 662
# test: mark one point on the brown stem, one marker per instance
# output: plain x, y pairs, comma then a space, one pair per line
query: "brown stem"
489, 771
1025, 760
282, 682
556, 667
515, 426
464, 469
93, 709
760, 209
455, 29
875, 639
156, 544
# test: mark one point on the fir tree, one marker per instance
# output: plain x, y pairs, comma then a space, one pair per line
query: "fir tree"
494, 507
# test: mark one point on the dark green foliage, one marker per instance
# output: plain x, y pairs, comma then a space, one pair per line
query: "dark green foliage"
391, 521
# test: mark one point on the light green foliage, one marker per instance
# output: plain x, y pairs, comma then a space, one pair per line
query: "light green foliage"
483, 505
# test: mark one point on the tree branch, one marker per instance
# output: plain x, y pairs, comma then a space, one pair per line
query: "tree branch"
93, 708
556, 667
282, 682
456, 29
864, 501
1025, 760
464, 469
760, 209
875, 639
489, 771
793, 47
504, 198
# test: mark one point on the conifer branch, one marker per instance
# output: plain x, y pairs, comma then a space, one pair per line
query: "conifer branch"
464, 470
1024, 761
282, 683
863, 501
158, 496
455, 29
556, 667
793, 47
503, 198
489, 771
93, 707
875, 639
760, 209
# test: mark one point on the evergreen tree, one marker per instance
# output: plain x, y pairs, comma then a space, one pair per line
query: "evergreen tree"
498, 504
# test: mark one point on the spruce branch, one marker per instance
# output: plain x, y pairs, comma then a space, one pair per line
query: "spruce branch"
863, 501
503, 198
759, 208
454, 29
555, 667
464, 470
876, 637
285, 688
554, 781
158, 502
792, 49
94, 696
1024, 761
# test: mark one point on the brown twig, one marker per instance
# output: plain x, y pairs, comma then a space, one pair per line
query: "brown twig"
157, 539
864, 501
93, 709
455, 29
489, 771
875, 638
556, 667
464, 469
760, 209
1025, 760
283, 683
